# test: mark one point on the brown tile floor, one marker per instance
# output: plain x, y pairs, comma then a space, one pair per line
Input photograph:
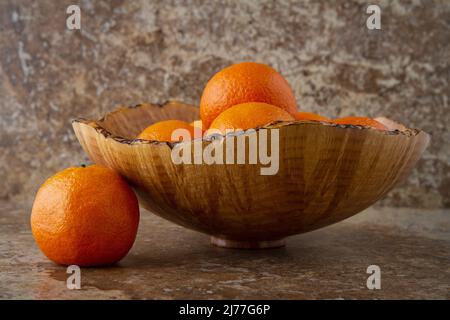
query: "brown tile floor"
170, 262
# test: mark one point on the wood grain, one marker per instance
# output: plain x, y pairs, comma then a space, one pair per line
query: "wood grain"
327, 173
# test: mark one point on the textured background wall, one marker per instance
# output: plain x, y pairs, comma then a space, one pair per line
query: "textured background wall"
151, 51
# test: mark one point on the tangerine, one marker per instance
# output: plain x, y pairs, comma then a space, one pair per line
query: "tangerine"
86, 216
163, 130
248, 115
241, 83
361, 121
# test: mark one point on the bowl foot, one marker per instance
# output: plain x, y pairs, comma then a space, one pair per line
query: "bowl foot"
227, 243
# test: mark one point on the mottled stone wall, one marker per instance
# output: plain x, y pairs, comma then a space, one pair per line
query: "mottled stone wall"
134, 51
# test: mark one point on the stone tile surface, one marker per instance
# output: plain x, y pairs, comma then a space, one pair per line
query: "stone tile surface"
170, 262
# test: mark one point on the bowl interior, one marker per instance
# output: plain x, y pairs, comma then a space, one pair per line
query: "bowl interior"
128, 122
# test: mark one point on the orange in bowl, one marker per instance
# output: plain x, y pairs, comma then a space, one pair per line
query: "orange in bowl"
245, 82
361, 121
163, 130
248, 115
310, 116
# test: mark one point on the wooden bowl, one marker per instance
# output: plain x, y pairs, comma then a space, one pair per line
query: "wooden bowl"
327, 173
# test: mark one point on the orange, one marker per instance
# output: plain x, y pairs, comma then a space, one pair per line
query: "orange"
248, 115
86, 216
162, 130
361, 121
245, 82
310, 116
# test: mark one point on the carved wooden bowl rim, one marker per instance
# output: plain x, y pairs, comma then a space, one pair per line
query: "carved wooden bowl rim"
96, 124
